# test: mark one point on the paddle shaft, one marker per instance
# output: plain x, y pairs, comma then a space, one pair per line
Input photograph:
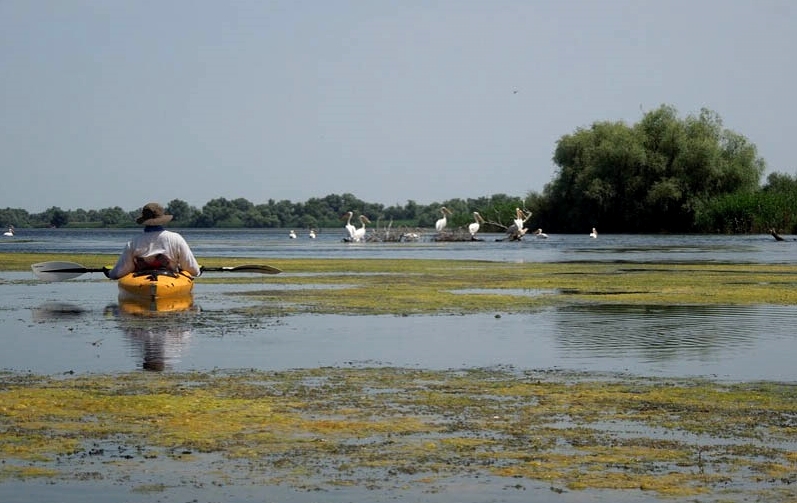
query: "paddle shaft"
61, 271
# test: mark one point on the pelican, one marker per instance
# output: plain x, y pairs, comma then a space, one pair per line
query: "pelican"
540, 234
517, 230
349, 227
474, 227
441, 224
312, 233
520, 219
359, 234
292, 235
594, 233
9, 232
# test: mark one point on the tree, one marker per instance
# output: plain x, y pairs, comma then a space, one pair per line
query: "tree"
182, 212
59, 218
648, 177
115, 216
14, 216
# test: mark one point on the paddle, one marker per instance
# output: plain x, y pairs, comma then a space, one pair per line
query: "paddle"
61, 271
262, 269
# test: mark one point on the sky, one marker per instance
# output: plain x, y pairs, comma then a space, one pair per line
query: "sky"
118, 103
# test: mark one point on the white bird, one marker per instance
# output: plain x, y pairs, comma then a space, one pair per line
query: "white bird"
349, 227
312, 233
292, 235
359, 234
518, 229
540, 234
474, 227
441, 223
594, 233
520, 219
9, 232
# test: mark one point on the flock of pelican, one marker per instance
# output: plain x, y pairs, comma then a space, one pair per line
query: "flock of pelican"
354, 234
514, 232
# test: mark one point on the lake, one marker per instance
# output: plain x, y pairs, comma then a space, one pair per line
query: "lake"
77, 326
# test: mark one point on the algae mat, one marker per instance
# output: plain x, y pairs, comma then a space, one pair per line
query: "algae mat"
422, 286
405, 431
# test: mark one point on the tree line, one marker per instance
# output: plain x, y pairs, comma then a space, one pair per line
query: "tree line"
315, 213
662, 174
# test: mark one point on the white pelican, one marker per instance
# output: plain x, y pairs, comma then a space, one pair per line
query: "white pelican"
520, 219
441, 224
312, 233
594, 233
518, 229
9, 232
359, 234
292, 235
349, 227
474, 227
540, 234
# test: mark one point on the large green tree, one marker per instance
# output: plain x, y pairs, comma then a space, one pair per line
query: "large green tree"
648, 177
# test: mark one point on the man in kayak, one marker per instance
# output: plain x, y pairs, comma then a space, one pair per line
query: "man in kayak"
156, 248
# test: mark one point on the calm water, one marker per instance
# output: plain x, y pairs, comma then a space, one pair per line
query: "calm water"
557, 248
77, 325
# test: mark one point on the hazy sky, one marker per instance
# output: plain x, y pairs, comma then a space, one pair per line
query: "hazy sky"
115, 103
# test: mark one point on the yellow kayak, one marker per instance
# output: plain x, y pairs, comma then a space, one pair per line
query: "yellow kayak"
159, 284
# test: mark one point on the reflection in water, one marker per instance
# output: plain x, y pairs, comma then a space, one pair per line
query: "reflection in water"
157, 331
54, 311
660, 333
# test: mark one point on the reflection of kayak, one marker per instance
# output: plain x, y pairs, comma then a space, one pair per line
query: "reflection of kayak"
130, 304
154, 285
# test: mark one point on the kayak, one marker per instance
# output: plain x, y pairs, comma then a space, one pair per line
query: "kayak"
157, 284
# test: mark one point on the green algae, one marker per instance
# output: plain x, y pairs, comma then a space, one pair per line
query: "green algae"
412, 286
354, 426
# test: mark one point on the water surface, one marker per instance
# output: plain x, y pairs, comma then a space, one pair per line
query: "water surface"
265, 243
79, 327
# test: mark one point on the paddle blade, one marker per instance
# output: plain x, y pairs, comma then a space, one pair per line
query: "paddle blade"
58, 271
260, 269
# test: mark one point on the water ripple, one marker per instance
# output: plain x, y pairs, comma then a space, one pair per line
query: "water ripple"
658, 333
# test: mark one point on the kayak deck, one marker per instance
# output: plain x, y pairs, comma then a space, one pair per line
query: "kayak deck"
156, 284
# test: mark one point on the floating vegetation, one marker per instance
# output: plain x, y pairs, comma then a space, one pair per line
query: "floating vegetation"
412, 286
393, 427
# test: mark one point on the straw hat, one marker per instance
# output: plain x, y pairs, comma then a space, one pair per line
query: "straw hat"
153, 214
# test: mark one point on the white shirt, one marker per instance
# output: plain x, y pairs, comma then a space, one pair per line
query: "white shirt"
152, 246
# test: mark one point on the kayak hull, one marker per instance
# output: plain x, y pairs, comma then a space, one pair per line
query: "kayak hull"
154, 285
